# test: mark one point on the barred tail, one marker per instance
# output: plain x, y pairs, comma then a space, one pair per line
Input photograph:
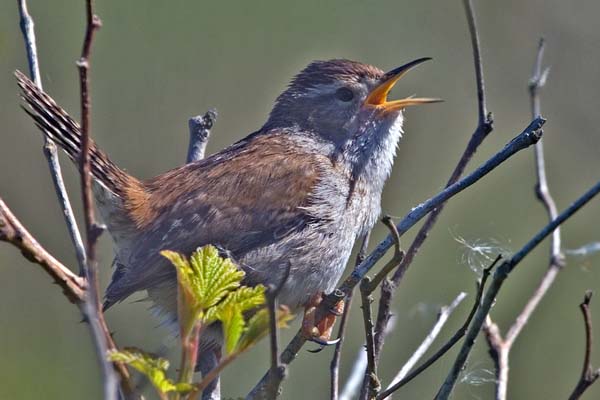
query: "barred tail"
63, 130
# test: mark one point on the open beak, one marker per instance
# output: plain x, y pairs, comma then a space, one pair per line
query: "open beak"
378, 96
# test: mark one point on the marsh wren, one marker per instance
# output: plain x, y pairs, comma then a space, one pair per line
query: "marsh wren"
299, 191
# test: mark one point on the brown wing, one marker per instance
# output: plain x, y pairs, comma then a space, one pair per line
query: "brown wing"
241, 199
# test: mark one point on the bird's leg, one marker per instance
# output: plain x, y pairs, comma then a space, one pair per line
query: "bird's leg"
321, 332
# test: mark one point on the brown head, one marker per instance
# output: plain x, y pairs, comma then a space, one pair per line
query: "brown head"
335, 98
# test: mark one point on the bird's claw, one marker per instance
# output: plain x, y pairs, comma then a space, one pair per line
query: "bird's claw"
322, 343
321, 332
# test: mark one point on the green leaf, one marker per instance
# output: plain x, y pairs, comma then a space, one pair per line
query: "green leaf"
210, 290
258, 326
154, 368
203, 282
231, 312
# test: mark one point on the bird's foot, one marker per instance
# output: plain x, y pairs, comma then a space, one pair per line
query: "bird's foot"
320, 333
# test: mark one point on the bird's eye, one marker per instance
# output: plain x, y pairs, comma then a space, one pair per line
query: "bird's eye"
344, 94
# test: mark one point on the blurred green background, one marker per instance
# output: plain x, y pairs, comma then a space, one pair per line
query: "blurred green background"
156, 63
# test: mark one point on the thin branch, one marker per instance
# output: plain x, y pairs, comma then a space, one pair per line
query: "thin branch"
12, 231
484, 118
442, 318
542, 191
588, 374
367, 288
393, 263
451, 342
27, 28
337, 353
499, 354
483, 129
334, 366
213, 374
200, 127
278, 371
500, 347
358, 368
373, 386
529, 136
78, 292
92, 305
498, 279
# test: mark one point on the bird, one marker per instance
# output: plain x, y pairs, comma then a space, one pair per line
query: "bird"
296, 193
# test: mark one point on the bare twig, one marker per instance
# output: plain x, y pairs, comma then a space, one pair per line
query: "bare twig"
500, 347
12, 231
498, 279
529, 136
450, 343
367, 287
498, 353
442, 318
393, 263
334, 367
92, 307
27, 28
200, 127
278, 370
372, 385
337, 353
28, 31
78, 293
359, 366
213, 374
536, 82
484, 127
588, 374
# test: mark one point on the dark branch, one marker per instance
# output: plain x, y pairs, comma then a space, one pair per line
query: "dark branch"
529, 136
498, 279
337, 353
92, 307
442, 318
200, 127
278, 371
368, 287
372, 385
12, 231
484, 127
451, 342
27, 28
500, 347
588, 374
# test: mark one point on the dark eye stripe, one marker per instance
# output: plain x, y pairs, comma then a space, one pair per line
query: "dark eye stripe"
344, 94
